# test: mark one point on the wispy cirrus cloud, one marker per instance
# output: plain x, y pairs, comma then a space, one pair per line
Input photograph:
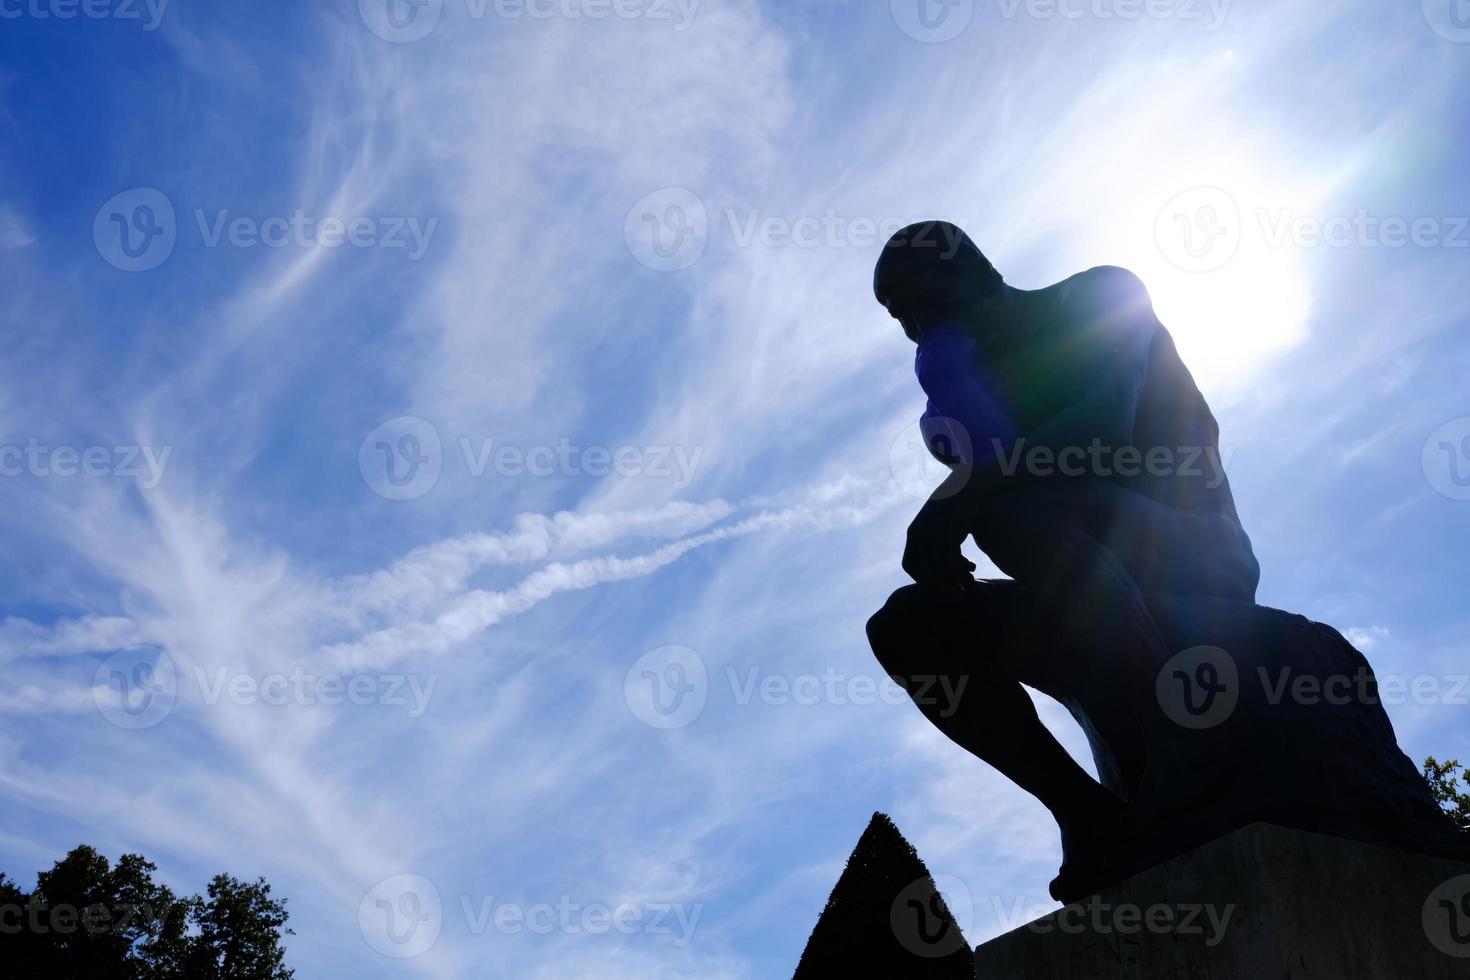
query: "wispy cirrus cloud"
521, 603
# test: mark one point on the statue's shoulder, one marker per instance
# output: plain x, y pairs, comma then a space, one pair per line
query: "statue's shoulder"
1106, 288
1107, 302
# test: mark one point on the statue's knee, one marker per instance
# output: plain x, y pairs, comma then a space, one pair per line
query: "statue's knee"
881, 630
894, 631
1250, 574
895, 614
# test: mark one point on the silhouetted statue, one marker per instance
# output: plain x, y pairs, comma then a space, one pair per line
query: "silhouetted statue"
1085, 463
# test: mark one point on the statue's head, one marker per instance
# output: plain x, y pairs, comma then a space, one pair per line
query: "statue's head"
931, 272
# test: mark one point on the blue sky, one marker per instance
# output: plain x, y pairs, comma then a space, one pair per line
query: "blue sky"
598, 288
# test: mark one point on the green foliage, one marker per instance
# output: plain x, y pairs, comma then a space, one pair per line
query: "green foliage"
1445, 780
86, 920
885, 917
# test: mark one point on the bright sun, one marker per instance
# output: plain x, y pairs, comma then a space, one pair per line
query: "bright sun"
1223, 282
1201, 215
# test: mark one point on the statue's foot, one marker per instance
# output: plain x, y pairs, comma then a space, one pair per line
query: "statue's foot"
1078, 879
1083, 872
1090, 854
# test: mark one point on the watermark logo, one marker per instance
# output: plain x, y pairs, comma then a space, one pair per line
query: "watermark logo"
919, 921
1449, 18
1203, 229
939, 694
1199, 688
89, 9
932, 21
401, 916
573, 918
1361, 687
404, 21
310, 689
921, 458
136, 230
136, 688
1446, 459
1100, 918
1210, 13
670, 687
404, 459
1199, 230
401, 459
668, 230
1103, 461
145, 464
1446, 917
676, 463
401, 21
303, 230
37, 917
667, 687
1361, 229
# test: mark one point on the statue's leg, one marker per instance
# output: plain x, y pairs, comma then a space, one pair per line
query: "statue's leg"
938, 645
1087, 637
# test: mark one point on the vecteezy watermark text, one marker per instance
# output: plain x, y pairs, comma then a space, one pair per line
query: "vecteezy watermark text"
937, 21
39, 918
142, 463
923, 454
1100, 917
669, 687
138, 687
403, 459
307, 231
571, 918
406, 21
1202, 687
137, 230
1203, 229
302, 687
1105, 462
1210, 13
1363, 687
565, 458
940, 691
86, 9
402, 916
669, 230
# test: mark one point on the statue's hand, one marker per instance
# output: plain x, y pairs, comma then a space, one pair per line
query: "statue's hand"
932, 555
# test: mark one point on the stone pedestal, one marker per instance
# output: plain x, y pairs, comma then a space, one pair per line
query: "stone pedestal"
1264, 902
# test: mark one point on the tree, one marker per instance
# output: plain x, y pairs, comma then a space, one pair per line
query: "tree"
239, 933
86, 919
886, 917
1444, 780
